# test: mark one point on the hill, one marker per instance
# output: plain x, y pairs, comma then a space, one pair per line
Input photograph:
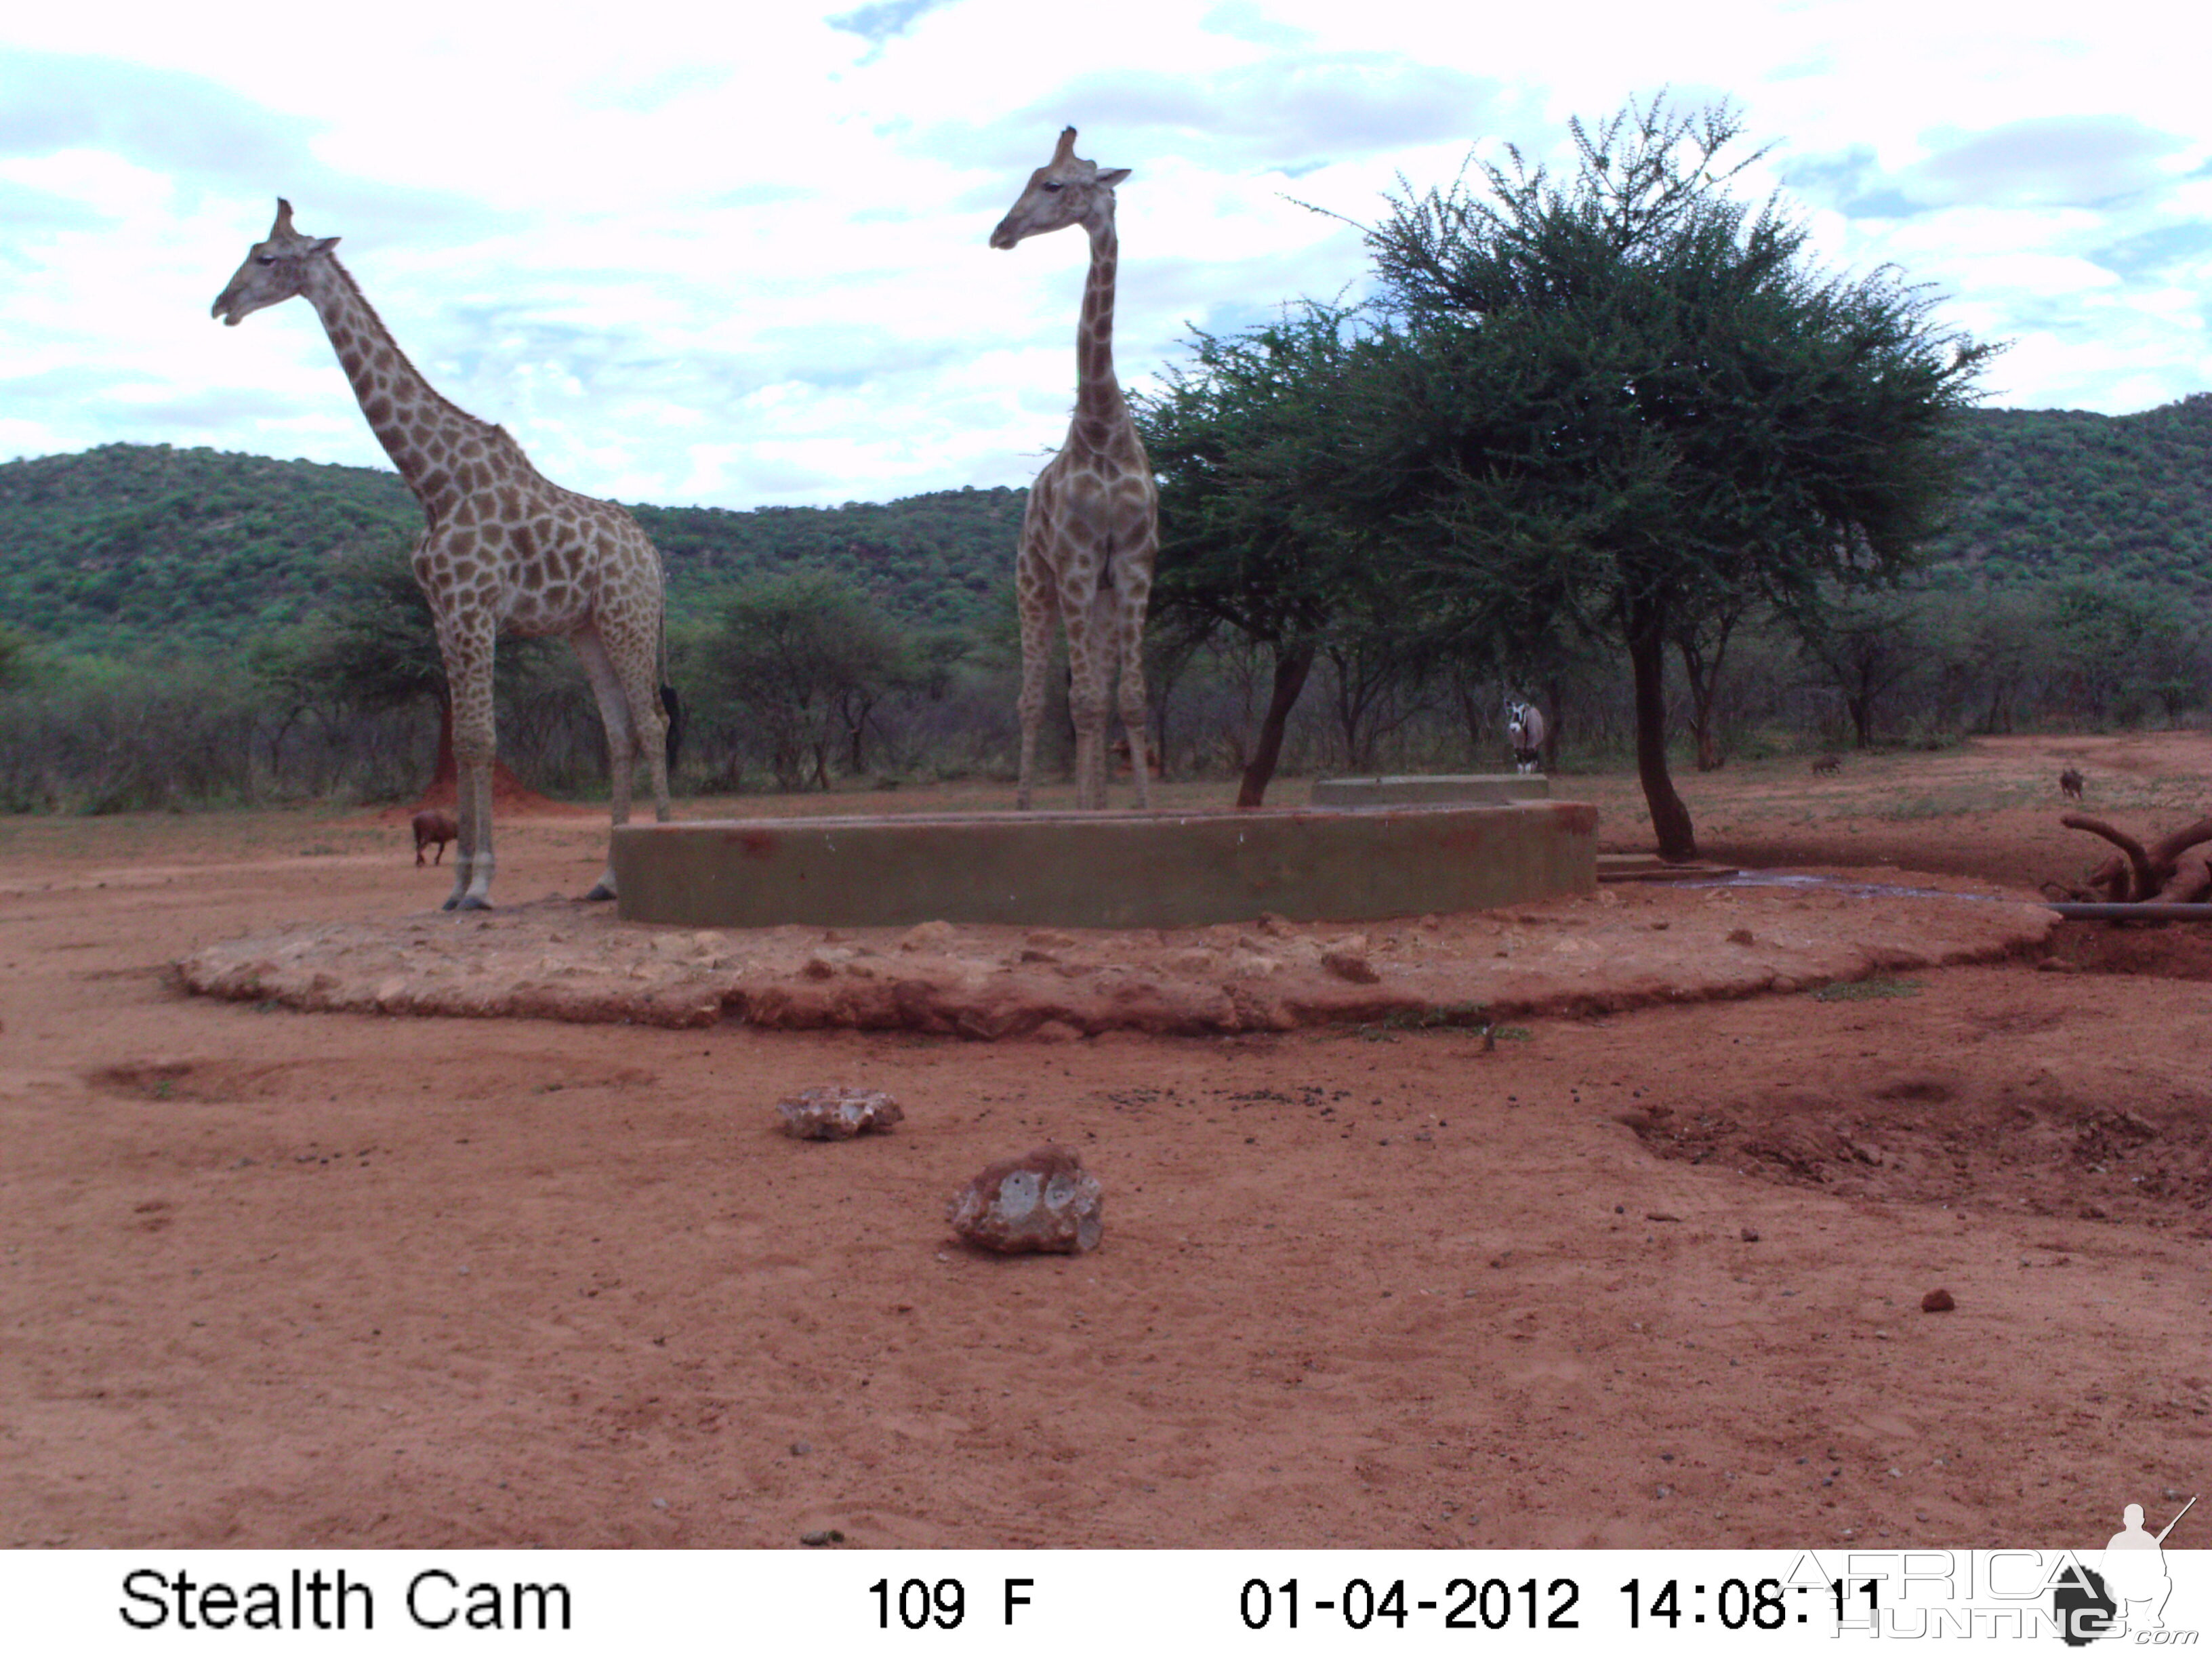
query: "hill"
2053, 493
131, 547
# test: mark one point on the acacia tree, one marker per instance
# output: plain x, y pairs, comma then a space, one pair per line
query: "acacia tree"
1867, 645
804, 658
1257, 457
1626, 398
375, 645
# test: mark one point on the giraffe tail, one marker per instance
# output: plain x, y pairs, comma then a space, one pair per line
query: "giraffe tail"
670, 703
673, 704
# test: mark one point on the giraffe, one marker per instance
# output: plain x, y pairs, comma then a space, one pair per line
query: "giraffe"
1091, 528
501, 548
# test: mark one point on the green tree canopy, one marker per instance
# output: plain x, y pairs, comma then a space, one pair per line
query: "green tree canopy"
15, 658
805, 657
1626, 398
1255, 451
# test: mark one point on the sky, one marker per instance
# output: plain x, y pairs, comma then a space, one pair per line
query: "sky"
736, 255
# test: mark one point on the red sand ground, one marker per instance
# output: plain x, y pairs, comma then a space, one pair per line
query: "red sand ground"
285, 1278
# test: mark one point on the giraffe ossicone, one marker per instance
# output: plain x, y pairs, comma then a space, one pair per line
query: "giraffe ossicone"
1091, 531
502, 549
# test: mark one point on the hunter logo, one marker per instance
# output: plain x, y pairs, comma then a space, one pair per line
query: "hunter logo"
2128, 1598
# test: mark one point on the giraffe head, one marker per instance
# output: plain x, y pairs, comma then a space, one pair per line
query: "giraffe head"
1066, 190
275, 270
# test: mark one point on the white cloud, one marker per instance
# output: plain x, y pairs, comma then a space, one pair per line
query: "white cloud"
739, 256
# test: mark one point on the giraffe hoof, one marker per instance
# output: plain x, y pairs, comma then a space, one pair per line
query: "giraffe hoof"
452, 903
598, 893
472, 902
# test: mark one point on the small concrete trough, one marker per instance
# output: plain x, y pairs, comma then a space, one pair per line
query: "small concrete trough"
1105, 869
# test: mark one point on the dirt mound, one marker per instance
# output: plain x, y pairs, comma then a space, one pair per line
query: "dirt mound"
2169, 951
1948, 1137
1615, 952
511, 799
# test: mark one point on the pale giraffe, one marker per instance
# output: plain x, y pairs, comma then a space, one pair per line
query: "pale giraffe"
1091, 529
501, 549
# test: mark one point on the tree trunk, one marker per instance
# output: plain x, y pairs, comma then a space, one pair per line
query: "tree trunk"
1292, 664
2156, 874
1555, 708
1862, 713
1704, 676
856, 729
1647, 657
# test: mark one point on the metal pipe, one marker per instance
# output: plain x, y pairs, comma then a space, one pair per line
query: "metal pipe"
2145, 912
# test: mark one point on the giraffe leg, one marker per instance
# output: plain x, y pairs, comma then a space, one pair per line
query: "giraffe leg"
623, 660
467, 648
476, 781
1036, 604
1135, 716
622, 736
1086, 705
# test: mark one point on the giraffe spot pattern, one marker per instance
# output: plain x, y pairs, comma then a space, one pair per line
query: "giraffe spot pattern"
503, 545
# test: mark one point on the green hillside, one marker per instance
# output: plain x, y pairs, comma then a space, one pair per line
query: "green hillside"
2053, 493
131, 547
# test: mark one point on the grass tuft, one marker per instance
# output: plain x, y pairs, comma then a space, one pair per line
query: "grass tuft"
1867, 990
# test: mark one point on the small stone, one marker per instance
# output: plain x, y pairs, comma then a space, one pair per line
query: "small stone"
1042, 1201
836, 1112
1938, 1301
827, 1535
1661, 1215
1349, 964
1740, 936
1751, 1235
929, 936
800, 1447
1045, 940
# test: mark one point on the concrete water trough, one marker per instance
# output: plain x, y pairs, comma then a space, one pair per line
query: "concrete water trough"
1437, 789
1181, 869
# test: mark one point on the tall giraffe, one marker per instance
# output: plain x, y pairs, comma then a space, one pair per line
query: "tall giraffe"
1091, 529
501, 548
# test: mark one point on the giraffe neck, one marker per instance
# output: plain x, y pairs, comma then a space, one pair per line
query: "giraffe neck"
1100, 410
424, 434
